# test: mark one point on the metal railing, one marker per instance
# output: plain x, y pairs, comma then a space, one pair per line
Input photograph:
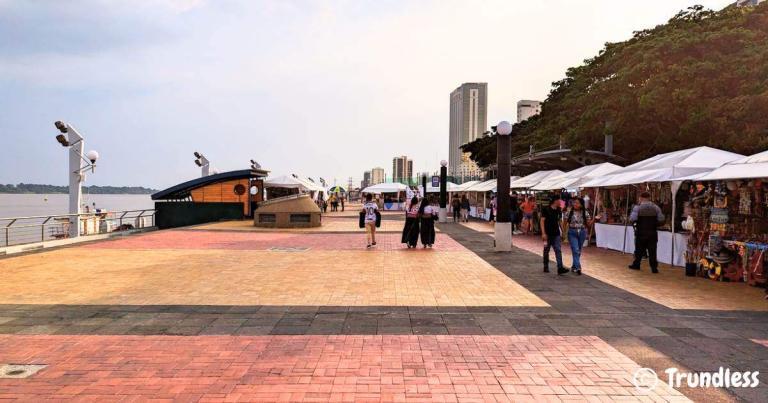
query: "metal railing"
25, 230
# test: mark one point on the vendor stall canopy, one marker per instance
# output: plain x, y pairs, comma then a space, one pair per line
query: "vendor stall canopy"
292, 182
385, 188
671, 166
449, 187
488, 186
463, 187
533, 179
574, 179
754, 166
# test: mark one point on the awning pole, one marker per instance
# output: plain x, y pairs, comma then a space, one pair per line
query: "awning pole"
626, 220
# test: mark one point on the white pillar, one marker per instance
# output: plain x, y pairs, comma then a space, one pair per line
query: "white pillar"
503, 241
75, 180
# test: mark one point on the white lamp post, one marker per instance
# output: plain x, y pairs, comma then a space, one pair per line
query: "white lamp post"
71, 139
503, 226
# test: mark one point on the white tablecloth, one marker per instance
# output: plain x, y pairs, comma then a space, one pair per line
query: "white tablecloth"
613, 237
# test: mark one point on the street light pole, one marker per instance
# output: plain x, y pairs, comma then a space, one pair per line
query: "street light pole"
503, 226
443, 215
72, 140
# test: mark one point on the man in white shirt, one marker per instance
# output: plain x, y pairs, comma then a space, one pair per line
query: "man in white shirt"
370, 209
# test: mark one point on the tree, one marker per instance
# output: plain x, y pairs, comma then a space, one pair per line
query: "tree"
700, 79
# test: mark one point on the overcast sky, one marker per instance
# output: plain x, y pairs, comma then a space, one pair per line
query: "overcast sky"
316, 88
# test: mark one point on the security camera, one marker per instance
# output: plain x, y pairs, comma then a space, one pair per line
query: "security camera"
62, 126
62, 139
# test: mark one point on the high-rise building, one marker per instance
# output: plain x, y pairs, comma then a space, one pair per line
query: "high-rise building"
377, 176
366, 180
402, 169
527, 108
468, 121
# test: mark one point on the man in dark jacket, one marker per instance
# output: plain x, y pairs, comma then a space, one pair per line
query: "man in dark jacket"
646, 217
551, 234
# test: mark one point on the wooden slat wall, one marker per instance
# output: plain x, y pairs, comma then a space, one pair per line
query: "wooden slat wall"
223, 192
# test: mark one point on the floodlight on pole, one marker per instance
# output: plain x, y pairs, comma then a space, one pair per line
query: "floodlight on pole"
203, 163
69, 137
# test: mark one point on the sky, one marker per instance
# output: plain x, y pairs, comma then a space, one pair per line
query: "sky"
316, 88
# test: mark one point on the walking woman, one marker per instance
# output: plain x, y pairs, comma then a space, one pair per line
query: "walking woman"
427, 221
578, 220
411, 228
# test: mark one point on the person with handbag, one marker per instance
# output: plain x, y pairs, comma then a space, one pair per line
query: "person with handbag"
578, 221
427, 214
370, 216
411, 229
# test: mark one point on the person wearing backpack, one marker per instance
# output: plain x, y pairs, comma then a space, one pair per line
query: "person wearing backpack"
456, 207
370, 214
577, 221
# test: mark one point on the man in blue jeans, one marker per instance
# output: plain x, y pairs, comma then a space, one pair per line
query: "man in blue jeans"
577, 220
550, 220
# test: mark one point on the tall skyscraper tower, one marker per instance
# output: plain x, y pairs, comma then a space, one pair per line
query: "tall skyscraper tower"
377, 176
468, 121
402, 169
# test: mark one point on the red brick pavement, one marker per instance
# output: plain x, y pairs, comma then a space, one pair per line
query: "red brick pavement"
238, 240
321, 368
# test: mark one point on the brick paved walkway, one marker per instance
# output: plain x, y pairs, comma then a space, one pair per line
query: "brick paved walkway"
243, 304
324, 368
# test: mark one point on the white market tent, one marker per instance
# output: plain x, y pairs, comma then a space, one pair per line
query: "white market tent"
463, 187
754, 166
533, 179
574, 179
674, 167
485, 186
287, 181
385, 188
449, 187
667, 167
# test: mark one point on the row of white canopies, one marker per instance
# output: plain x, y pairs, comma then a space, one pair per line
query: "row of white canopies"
699, 163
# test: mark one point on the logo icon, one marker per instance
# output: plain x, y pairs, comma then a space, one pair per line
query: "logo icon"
645, 379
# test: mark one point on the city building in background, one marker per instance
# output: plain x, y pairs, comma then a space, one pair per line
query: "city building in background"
468, 121
366, 180
527, 108
378, 176
402, 169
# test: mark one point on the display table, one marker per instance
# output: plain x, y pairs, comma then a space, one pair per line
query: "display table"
622, 239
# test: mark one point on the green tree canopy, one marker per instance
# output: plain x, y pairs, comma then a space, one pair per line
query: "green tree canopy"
700, 79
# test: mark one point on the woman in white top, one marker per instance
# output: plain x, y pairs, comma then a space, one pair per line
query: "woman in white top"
427, 215
411, 228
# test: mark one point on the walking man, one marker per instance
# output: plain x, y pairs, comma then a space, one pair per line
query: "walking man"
465, 207
551, 217
369, 210
456, 207
646, 218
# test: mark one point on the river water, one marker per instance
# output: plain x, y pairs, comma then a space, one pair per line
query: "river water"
24, 205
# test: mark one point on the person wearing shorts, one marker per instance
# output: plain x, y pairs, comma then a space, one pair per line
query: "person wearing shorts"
370, 209
528, 207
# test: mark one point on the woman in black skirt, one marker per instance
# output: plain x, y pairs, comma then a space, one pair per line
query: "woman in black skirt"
427, 221
411, 228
